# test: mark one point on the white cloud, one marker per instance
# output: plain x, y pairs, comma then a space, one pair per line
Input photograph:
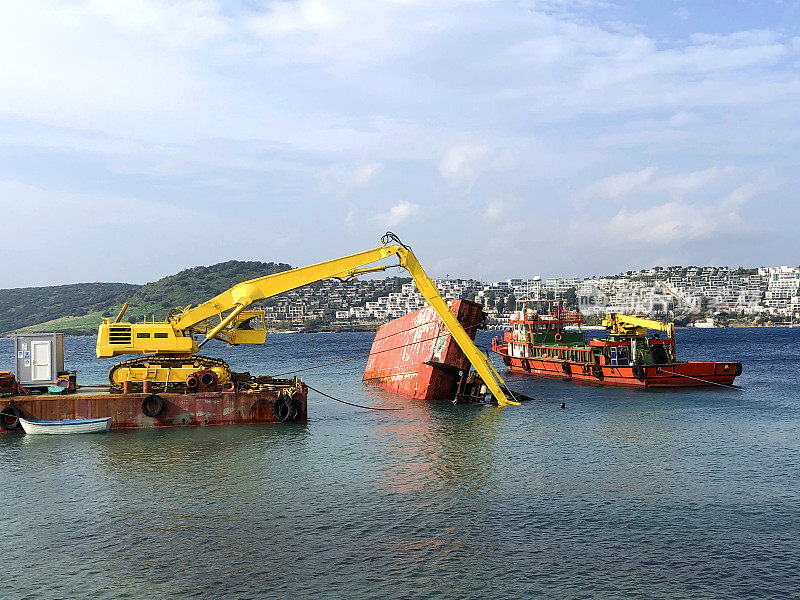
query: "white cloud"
678, 221
495, 210
665, 224
122, 238
739, 197
344, 178
359, 219
616, 187
685, 183
303, 16
463, 163
682, 118
402, 212
287, 108
682, 13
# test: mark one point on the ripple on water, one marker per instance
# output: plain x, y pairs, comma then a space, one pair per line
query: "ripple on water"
623, 494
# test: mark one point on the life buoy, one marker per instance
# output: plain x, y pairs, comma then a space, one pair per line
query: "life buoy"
9, 418
153, 405
557, 337
566, 367
62, 382
506, 361
526, 366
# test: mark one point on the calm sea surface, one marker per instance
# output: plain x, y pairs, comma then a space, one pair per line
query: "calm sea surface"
623, 494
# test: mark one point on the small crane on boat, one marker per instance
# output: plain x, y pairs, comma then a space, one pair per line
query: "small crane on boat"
631, 325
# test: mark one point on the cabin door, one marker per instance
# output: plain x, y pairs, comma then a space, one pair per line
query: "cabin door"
41, 365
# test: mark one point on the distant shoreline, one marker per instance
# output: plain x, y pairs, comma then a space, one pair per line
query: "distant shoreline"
362, 329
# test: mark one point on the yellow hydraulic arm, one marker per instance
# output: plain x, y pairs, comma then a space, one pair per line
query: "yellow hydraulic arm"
632, 325
175, 334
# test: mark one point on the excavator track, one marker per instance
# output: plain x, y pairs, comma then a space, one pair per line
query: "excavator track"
167, 374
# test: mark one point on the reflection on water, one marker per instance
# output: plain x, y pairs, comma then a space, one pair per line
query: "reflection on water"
623, 494
437, 443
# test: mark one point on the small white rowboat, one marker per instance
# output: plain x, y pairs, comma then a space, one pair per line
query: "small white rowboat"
100, 425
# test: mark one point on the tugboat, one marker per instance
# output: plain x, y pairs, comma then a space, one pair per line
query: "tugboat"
551, 344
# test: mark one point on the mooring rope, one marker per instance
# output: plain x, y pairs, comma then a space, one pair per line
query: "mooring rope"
725, 385
356, 405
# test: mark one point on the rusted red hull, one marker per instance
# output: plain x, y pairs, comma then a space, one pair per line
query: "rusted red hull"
681, 374
415, 356
198, 409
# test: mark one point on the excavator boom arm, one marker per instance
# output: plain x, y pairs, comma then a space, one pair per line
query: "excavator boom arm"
246, 293
242, 295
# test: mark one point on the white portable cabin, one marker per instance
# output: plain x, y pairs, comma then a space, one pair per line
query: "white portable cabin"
39, 358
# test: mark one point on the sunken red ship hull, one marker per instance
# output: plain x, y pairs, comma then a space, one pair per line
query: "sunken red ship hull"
415, 356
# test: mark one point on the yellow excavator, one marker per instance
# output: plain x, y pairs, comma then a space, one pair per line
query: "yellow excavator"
631, 325
169, 347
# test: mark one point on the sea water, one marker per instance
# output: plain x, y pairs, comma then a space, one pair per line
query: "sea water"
622, 494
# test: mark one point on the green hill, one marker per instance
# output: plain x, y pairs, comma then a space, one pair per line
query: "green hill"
77, 308
25, 307
194, 286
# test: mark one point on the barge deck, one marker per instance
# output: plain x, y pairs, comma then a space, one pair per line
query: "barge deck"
278, 401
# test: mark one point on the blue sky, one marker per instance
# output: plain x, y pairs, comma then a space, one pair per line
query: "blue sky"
140, 137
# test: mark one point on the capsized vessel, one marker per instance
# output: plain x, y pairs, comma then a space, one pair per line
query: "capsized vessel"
551, 344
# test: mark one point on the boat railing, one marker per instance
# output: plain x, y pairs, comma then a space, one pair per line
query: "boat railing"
563, 318
559, 353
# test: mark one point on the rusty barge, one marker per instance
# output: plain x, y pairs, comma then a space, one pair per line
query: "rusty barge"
261, 400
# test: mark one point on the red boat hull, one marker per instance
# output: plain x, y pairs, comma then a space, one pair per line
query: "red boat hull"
673, 375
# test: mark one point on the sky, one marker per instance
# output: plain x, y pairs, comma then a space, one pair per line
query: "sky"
497, 139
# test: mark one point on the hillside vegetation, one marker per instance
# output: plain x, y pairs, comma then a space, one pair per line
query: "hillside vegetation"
194, 286
24, 307
77, 308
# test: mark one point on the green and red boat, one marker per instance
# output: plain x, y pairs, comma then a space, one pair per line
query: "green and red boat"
552, 344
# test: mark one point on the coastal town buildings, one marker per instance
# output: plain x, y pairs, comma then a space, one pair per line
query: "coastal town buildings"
659, 292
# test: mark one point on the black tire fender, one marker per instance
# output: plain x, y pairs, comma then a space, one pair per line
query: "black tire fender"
282, 408
526, 366
153, 411
506, 361
597, 371
738, 369
638, 372
294, 409
9, 418
566, 367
